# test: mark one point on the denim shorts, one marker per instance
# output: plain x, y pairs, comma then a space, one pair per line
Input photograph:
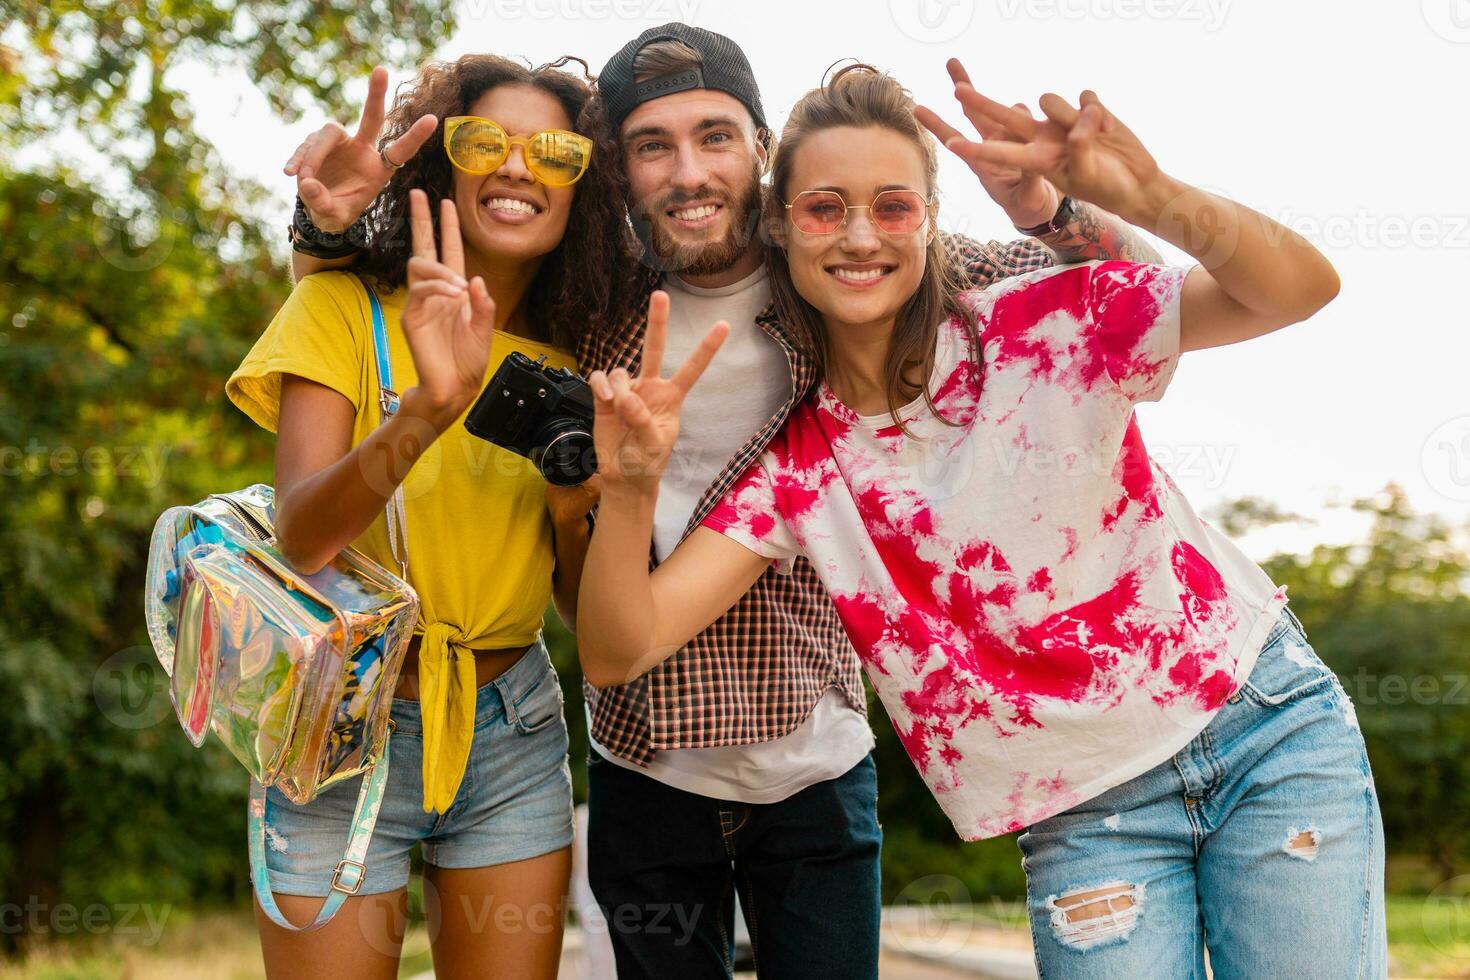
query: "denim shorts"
1261, 841
515, 801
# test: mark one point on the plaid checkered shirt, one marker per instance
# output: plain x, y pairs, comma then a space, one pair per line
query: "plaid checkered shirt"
756, 673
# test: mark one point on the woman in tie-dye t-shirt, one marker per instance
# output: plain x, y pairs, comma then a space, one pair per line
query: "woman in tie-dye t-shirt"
1062, 644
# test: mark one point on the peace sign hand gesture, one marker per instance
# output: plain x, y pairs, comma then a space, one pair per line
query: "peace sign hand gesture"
338, 176
1084, 151
637, 419
448, 322
1027, 198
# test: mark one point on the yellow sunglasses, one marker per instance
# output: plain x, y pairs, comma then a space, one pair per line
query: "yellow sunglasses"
478, 146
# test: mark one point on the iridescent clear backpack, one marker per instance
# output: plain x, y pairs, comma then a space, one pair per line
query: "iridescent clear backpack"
293, 673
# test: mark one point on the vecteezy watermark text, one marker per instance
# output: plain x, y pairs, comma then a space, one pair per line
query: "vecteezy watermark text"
64, 918
684, 11
143, 462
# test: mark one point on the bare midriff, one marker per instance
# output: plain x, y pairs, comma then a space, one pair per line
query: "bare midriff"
489, 664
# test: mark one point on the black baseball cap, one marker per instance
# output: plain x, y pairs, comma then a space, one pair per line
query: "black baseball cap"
725, 69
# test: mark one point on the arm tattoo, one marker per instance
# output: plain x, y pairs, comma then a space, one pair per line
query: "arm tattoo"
1095, 234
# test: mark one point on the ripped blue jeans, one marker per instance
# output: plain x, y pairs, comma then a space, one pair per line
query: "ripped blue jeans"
1261, 840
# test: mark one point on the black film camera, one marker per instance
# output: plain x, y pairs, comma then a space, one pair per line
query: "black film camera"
541, 413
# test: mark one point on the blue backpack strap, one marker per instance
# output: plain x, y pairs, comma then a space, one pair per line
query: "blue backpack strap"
348, 877
387, 397
388, 402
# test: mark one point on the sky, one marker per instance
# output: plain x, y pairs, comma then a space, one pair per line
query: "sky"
1345, 120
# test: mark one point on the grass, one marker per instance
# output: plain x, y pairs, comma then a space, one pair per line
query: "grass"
208, 947
217, 946
1429, 937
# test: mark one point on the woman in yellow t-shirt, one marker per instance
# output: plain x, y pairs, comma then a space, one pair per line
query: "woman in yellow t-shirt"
479, 776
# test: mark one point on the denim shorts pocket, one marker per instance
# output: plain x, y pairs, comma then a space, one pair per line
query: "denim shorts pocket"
541, 706
1287, 670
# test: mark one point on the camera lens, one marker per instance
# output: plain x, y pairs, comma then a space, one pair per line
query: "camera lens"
563, 453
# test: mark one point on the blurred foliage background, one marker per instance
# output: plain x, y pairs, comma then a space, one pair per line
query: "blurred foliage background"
136, 269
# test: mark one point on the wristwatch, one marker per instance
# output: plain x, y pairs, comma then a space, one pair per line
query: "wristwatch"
308, 239
1066, 211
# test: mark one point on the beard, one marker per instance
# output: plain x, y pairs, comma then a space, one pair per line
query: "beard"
664, 251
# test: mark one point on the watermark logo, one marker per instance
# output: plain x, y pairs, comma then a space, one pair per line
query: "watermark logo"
932, 21
1445, 459
145, 463
1365, 229
1198, 220
1211, 14
684, 11
1205, 465
140, 240
131, 689
412, 458
1369, 688
1446, 916
931, 916
1450, 19
35, 917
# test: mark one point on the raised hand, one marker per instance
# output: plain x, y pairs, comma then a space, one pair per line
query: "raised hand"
1028, 199
338, 176
637, 419
448, 322
1084, 151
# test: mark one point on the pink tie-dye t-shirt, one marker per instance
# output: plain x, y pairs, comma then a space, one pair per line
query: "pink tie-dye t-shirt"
1038, 606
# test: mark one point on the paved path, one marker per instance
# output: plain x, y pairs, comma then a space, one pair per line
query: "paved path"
913, 949
895, 964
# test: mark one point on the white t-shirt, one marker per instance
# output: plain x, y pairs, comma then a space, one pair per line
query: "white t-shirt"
745, 385
748, 381
1038, 606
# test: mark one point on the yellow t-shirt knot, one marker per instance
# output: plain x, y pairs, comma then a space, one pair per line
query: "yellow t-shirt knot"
447, 703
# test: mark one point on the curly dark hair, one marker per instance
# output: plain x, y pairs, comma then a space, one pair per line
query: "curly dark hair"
580, 284
608, 152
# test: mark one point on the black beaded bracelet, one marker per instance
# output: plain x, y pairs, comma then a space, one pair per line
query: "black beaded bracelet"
308, 239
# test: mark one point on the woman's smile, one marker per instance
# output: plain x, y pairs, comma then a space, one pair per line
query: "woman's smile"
860, 275
511, 207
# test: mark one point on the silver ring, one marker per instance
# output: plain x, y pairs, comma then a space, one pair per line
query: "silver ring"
383, 155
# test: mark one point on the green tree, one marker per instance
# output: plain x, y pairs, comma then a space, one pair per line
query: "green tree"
135, 270
1391, 615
